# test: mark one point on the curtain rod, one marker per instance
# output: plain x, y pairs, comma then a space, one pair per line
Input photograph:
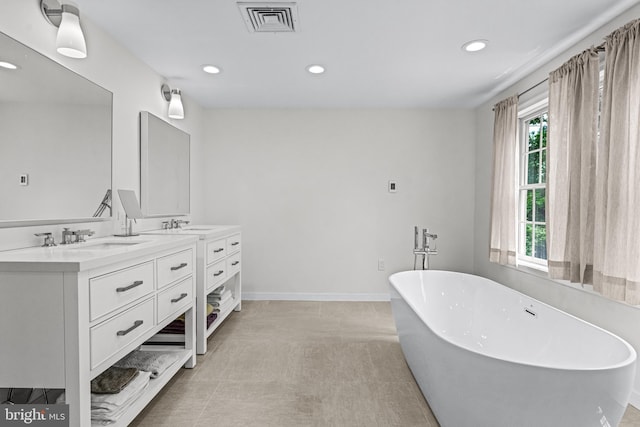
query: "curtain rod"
599, 48
532, 87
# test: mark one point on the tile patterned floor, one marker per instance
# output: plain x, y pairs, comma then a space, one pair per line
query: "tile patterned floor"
283, 363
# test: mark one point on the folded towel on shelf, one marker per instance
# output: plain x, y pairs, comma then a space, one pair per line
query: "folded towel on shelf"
226, 295
175, 327
218, 290
107, 408
110, 407
155, 362
227, 305
211, 318
113, 380
103, 402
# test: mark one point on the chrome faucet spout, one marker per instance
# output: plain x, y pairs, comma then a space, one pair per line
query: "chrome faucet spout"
67, 236
428, 239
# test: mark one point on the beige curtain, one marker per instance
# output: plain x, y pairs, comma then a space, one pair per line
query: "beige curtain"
571, 167
617, 217
503, 196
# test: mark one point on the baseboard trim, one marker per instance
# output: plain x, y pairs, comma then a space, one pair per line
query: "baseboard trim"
285, 296
634, 399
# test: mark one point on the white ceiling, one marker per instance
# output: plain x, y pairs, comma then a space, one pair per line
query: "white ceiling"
403, 53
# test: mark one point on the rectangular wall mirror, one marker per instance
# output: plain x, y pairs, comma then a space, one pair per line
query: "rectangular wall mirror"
55, 142
164, 167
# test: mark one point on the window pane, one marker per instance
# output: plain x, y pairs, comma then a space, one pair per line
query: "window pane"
528, 239
539, 199
529, 205
541, 241
544, 130
534, 134
543, 167
533, 168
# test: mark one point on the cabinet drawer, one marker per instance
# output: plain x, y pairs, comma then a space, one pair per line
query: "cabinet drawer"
175, 299
233, 264
174, 267
233, 243
112, 335
216, 250
114, 290
216, 273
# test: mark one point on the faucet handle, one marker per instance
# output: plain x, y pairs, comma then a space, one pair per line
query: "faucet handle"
48, 239
80, 234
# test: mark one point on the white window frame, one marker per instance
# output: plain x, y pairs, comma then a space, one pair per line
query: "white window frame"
524, 114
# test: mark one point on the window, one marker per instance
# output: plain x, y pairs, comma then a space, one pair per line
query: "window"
532, 230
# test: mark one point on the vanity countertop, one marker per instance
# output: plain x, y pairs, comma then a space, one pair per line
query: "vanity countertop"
203, 232
93, 253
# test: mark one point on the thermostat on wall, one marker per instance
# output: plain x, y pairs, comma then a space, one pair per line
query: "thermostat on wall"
393, 186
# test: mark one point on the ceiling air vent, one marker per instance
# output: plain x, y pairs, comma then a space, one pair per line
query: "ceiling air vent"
269, 17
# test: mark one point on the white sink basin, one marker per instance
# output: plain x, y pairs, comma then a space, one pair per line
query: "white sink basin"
100, 246
199, 229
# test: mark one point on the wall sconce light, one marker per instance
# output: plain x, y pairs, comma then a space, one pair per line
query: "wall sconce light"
176, 109
70, 39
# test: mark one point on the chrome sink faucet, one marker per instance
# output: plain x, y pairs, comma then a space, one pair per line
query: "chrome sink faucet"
48, 239
81, 234
67, 236
78, 236
179, 223
173, 223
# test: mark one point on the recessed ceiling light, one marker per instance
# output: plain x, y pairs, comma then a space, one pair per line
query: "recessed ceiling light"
315, 69
8, 65
475, 45
211, 69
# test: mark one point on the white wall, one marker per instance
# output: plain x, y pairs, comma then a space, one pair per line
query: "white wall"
309, 188
135, 87
619, 318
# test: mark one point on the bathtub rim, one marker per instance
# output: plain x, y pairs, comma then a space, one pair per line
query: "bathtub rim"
630, 360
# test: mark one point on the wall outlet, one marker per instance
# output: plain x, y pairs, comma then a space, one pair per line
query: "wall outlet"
393, 186
24, 179
380, 264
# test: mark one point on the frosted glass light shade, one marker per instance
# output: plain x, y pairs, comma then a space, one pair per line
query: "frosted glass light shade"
70, 40
176, 109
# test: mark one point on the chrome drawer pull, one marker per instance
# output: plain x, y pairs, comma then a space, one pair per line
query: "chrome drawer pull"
215, 251
131, 286
135, 325
235, 263
182, 295
183, 265
219, 272
235, 243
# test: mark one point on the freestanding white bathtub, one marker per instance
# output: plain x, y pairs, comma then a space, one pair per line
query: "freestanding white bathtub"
485, 355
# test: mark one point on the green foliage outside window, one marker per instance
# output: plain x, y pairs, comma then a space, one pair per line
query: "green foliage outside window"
536, 174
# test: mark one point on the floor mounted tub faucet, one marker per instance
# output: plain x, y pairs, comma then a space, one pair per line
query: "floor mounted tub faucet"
427, 249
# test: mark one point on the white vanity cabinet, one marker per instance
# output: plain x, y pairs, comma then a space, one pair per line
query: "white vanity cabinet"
218, 263
69, 313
